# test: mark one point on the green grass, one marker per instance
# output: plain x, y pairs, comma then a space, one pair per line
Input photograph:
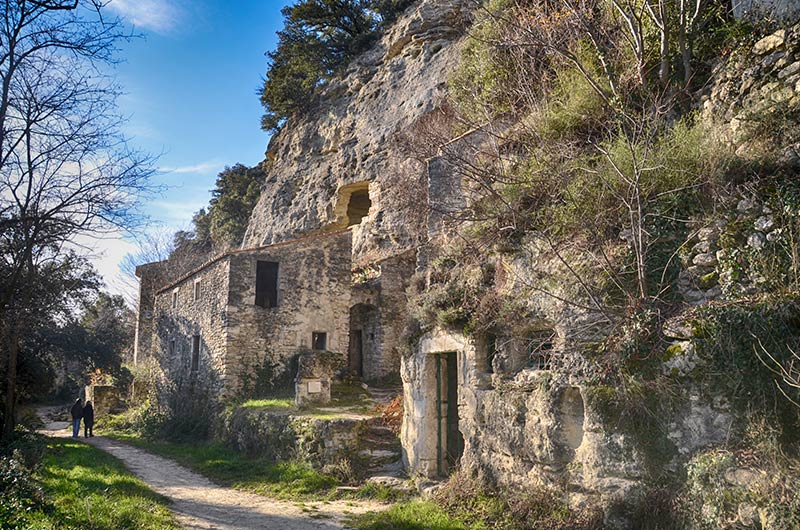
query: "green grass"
413, 515
87, 488
282, 480
345, 399
278, 404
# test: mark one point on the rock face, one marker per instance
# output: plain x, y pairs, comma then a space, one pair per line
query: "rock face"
352, 138
777, 10
756, 85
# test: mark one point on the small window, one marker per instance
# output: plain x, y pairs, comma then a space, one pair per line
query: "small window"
319, 341
196, 290
174, 299
172, 347
267, 284
195, 352
540, 349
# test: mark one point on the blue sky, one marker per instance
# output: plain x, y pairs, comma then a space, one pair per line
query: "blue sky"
191, 96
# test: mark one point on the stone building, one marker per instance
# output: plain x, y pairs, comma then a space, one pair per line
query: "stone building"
250, 313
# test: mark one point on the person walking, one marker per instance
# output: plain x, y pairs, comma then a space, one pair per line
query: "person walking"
77, 414
88, 419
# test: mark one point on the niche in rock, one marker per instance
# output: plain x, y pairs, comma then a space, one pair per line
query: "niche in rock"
353, 203
572, 415
358, 207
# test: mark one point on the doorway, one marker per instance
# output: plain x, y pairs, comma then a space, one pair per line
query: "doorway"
363, 352
450, 441
356, 352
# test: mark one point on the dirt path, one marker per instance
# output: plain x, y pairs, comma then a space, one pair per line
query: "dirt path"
200, 504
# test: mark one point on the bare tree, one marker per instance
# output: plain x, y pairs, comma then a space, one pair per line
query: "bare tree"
65, 167
515, 178
785, 369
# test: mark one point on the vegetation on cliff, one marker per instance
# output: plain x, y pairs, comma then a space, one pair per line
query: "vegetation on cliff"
319, 37
602, 187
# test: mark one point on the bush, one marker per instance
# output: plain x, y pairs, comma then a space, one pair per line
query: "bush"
20, 493
521, 509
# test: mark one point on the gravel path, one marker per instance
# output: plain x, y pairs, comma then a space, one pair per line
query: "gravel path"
200, 504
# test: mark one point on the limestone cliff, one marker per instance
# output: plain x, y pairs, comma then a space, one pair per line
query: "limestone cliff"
350, 137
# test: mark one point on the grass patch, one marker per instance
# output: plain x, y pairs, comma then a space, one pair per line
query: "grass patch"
345, 399
277, 404
292, 480
413, 515
87, 488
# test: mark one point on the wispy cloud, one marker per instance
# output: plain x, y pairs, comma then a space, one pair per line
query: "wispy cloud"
160, 16
177, 213
210, 166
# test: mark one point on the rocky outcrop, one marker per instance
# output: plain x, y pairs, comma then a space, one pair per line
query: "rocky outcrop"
351, 137
756, 90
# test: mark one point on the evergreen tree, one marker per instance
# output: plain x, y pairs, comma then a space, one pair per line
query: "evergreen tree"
318, 38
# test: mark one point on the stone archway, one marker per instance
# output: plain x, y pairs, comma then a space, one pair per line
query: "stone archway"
364, 351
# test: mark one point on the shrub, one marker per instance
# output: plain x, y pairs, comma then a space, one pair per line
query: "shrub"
19, 493
469, 499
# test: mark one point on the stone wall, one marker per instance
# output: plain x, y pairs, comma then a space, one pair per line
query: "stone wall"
179, 316
150, 279
280, 437
313, 296
104, 398
755, 86
542, 427
243, 345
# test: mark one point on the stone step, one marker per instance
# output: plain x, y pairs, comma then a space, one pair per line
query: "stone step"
379, 453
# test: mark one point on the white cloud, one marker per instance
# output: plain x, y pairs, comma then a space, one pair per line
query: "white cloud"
211, 166
160, 16
177, 213
106, 253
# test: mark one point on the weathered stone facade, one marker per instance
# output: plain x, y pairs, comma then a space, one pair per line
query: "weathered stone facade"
208, 321
343, 168
150, 280
104, 398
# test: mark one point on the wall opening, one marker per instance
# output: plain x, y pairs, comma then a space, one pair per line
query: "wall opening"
358, 207
449, 440
319, 341
195, 353
267, 284
353, 203
364, 347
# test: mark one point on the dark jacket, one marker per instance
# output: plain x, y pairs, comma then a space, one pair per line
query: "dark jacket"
77, 410
88, 414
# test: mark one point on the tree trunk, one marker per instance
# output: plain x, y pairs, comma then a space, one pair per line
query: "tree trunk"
663, 71
9, 419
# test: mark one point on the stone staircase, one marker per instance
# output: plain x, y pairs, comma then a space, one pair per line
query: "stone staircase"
380, 445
